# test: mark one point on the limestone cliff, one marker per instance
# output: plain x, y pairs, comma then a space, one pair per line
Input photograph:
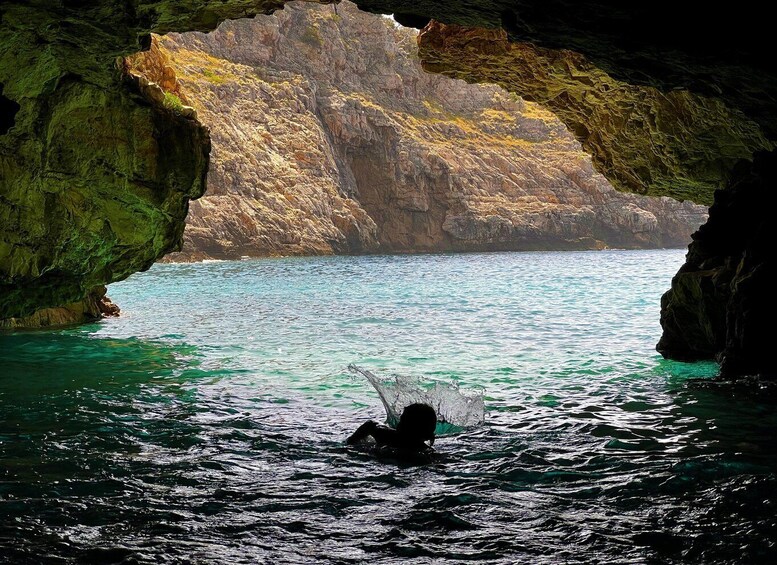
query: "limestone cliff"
329, 138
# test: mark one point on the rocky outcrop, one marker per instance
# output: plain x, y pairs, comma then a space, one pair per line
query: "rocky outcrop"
99, 192
91, 308
329, 138
95, 177
723, 301
643, 140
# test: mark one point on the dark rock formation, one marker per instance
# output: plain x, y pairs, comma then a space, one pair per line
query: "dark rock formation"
643, 140
95, 178
8, 110
723, 301
722, 53
311, 154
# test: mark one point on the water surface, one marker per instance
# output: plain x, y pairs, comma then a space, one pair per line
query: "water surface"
206, 424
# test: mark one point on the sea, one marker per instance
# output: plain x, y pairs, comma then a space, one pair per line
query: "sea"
207, 423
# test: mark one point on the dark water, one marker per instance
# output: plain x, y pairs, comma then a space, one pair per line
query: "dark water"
206, 425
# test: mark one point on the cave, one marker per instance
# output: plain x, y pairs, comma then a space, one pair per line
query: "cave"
696, 110
217, 426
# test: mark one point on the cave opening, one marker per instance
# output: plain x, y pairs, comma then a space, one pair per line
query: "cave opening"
330, 138
385, 156
8, 111
372, 236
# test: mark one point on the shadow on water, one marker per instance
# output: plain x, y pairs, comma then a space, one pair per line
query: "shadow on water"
70, 392
114, 450
77, 412
678, 466
707, 476
133, 451
49, 362
735, 418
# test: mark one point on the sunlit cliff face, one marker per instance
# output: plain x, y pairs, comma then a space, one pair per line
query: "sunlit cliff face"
328, 137
96, 178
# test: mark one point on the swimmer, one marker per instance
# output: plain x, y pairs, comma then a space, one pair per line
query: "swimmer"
416, 426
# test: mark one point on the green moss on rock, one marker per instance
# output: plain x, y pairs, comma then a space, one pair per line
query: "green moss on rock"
99, 191
172, 102
643, 140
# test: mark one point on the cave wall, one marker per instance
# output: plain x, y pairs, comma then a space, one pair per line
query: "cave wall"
722, 53
642, 139
722, 302
95, 186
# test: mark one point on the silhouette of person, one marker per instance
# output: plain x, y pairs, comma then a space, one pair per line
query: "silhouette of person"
415, 427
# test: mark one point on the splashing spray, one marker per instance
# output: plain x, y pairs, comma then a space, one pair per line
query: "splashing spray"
455, 409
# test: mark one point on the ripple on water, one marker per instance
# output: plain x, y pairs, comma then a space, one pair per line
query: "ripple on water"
207, 423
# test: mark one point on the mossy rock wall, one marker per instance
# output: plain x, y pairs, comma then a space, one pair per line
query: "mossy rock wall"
95, 177
99, 191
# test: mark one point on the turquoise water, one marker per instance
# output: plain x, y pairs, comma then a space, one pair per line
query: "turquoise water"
206, 424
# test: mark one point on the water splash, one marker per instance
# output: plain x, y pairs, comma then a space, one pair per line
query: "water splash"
455, 409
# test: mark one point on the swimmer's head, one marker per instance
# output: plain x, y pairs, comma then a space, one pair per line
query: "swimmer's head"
418, 421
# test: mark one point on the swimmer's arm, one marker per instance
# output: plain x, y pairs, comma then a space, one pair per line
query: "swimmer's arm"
384, 435
366, 429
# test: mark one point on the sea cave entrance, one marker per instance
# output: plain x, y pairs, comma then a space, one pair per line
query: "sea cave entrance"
453, 239
329, 138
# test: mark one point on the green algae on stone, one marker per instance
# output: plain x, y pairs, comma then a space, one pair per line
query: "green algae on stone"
102, 192
91, 308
